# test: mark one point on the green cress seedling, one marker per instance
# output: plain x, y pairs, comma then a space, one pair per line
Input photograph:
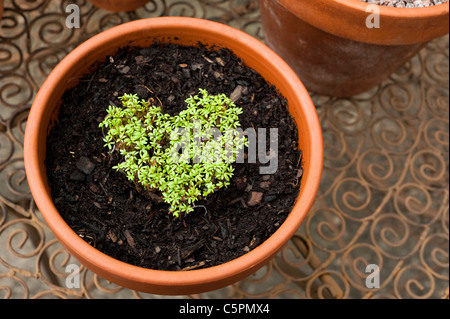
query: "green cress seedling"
184, 157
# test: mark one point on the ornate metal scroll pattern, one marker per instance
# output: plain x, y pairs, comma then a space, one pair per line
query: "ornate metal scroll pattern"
383, 200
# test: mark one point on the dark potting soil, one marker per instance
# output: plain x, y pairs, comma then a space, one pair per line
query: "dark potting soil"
108, 212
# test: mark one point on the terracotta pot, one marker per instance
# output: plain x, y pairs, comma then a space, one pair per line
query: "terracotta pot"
184, 31
119, 5
329, 46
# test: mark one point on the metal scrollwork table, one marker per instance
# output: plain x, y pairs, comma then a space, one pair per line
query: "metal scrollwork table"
383, 199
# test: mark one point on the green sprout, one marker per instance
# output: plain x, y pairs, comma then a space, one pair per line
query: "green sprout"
185, 157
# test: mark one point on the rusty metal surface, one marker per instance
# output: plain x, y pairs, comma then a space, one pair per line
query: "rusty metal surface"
384, 195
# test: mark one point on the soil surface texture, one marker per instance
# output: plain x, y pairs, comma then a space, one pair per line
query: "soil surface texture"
111, 214
407, 3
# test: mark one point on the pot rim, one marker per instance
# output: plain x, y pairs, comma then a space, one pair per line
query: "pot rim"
167, 282
340, 17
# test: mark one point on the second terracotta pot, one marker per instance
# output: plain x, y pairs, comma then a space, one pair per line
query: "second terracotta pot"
332, 49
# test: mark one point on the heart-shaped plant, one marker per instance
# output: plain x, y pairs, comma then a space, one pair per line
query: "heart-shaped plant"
184, 157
